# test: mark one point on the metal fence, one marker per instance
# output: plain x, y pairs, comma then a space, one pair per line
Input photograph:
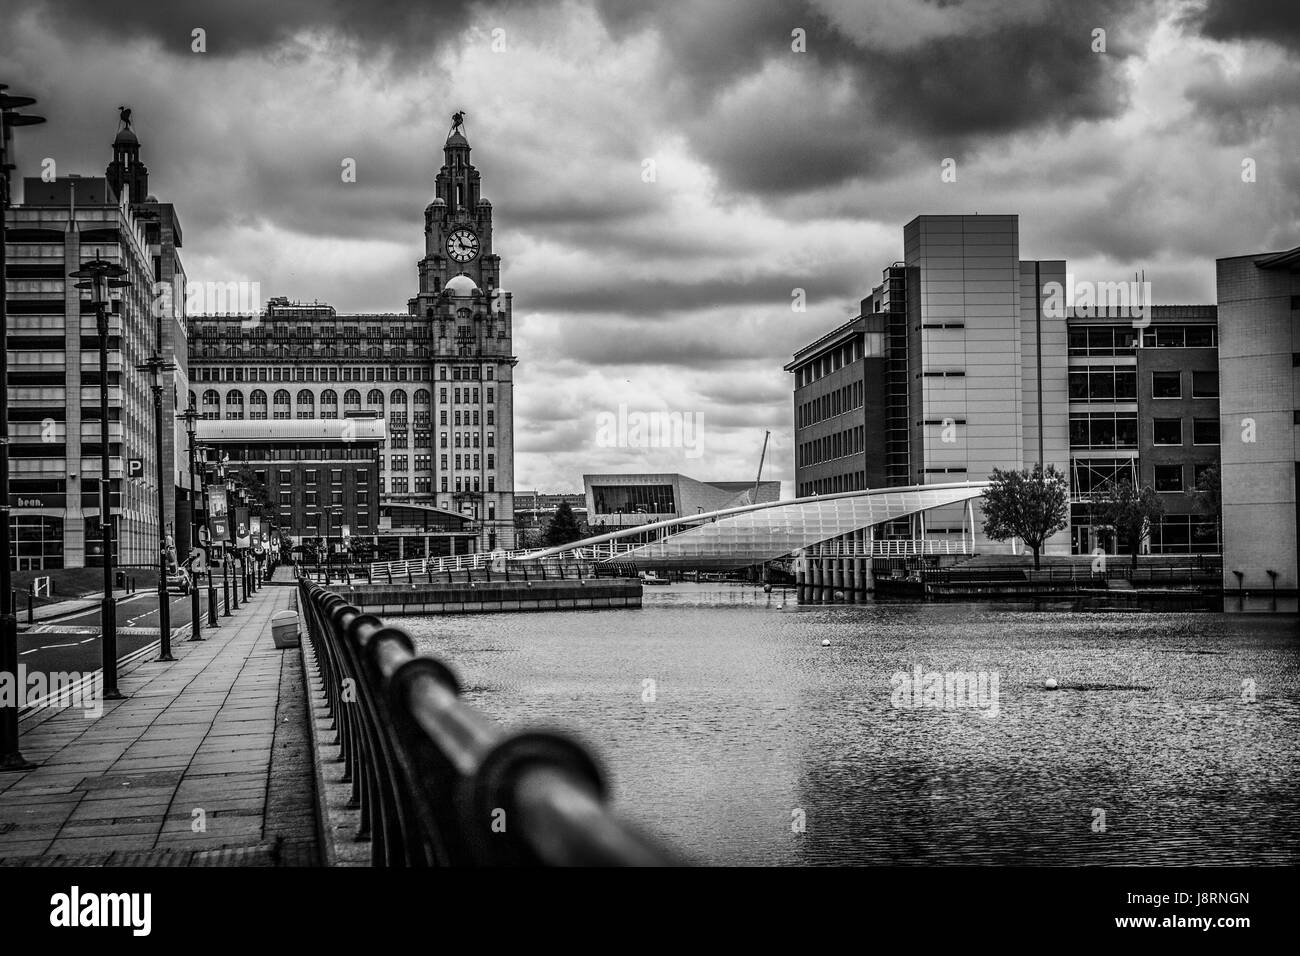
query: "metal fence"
439, 783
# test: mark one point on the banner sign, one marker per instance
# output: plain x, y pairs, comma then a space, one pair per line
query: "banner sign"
242, 537
218, 513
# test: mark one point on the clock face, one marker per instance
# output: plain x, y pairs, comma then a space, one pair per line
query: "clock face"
462, 245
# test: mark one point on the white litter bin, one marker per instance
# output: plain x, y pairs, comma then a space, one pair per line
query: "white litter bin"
284, 628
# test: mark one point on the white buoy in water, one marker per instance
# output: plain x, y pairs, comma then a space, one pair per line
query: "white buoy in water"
1050, 683
826, 643
779, 606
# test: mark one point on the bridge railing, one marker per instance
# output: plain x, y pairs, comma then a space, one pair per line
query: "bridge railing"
886, 548
438, 782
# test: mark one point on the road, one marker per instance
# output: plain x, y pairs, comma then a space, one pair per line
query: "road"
73, 643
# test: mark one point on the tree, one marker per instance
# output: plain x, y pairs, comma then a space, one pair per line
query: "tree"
1208, 496
563, 527
1130, 510
1031, 505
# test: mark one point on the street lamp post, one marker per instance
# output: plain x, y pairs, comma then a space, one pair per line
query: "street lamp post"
189, 416
11, 757
99, 276
155, 367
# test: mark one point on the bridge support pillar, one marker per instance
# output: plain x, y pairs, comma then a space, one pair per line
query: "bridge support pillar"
869, 576
837, 572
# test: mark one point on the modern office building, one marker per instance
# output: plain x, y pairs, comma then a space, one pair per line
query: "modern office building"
967, 358
54, 366
441, 373
622, 501
1259, 375
959, 364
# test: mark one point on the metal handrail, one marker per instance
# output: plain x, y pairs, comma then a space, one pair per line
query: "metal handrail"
438, 782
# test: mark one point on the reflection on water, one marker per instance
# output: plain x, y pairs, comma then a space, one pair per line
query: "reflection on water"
753, 719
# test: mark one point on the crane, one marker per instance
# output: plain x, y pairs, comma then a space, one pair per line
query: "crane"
761, 456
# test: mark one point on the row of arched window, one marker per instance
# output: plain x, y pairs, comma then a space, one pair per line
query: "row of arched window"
284, 406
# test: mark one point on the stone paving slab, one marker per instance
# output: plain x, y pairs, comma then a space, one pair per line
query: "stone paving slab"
207, 762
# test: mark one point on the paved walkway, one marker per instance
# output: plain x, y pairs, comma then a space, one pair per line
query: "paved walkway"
207, 762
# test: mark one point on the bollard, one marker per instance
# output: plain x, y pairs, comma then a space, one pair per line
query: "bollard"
212, 601
225, 590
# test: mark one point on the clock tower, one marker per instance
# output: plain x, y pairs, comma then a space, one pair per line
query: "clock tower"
468, 324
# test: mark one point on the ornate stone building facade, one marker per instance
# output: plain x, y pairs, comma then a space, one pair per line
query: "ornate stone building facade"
441, 374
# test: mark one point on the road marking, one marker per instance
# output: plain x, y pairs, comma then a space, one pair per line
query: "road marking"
50, 647
32, 651
86, 641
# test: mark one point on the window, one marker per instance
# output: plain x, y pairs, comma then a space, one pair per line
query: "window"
1103, 384
1103, 430
1102, 340
211, 404
1166, 385
1169, 477
306, 404
286, 498
311, 497
280, 404
1180, 337
1167, 431
336, 476
1205, 384
286, 476
257, 405
1205, 431
310, 476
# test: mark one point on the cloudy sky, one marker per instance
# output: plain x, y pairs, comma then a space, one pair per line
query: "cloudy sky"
774, 168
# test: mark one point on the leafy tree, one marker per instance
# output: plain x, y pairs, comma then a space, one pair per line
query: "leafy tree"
1031, 505
1130, 510
259, 501
563, 527
1208, 496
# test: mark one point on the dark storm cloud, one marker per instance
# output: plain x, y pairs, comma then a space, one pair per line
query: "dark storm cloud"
1275, 21
663, 297
687, 346
239, 26
943, 93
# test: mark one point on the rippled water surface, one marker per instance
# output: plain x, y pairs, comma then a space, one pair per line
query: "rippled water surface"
752, 719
